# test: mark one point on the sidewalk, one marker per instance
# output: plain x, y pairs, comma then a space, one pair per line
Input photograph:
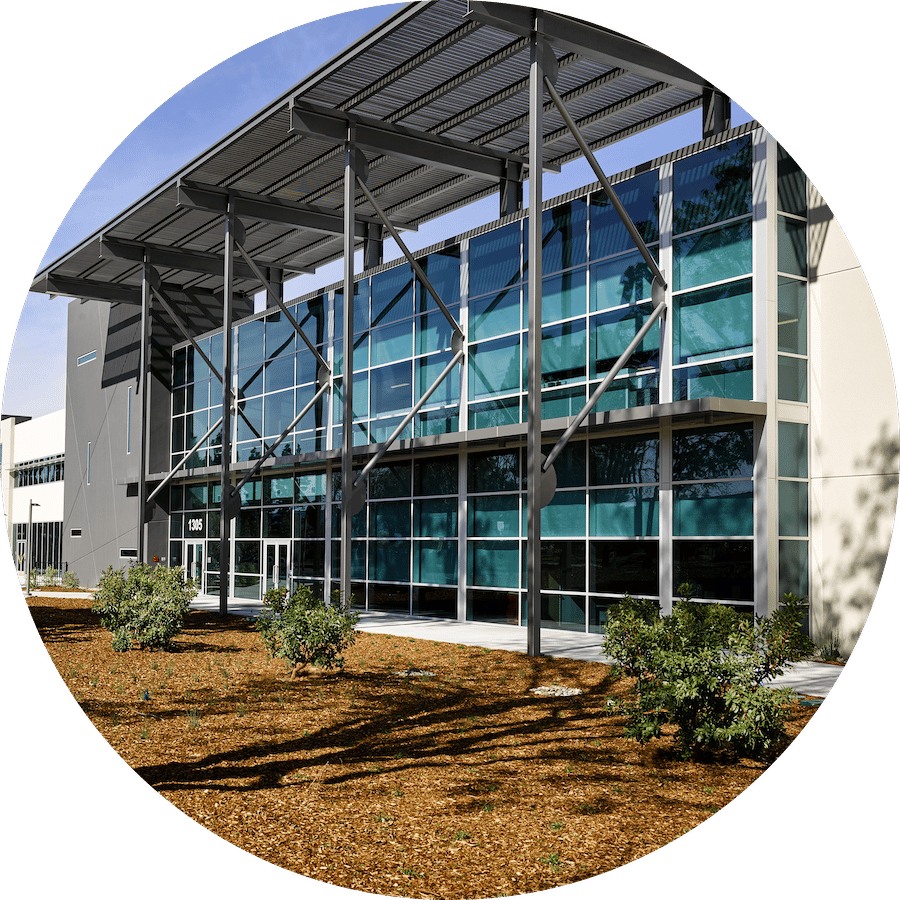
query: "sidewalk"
813, 679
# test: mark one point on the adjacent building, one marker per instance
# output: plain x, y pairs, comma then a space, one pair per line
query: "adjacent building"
677, 384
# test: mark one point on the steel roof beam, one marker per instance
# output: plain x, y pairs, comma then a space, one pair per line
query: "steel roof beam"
399, 142
598, 44
85, 289
175, 258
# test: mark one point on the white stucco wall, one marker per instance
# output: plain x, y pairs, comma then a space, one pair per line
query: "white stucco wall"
854, 436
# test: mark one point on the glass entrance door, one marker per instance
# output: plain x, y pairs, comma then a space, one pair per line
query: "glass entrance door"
193, 563
278, 565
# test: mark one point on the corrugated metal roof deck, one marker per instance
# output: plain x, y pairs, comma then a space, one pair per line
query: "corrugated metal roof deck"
427, 67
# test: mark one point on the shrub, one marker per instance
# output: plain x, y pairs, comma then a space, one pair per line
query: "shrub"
143, 604
304, 630
70, 580
702, 669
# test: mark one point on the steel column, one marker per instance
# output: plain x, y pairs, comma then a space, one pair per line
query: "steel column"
143, 388
224, 517
347, 432
535, 272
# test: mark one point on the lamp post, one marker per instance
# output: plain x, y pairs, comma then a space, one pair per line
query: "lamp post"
28, 549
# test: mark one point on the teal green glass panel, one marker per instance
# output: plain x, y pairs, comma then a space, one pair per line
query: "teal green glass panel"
561, 404
793, 450
713, 322
310, 488
246, 557
279, 412
791, 246
613, 331
436, 476
278, 489
493, 563
360, 357
571, 464
793, 508
793, 568
392, 342
714, 255
360, 398
619, 281
435, 562
494, 516
391, 389
380, 430
792, 379
437, 421
389, 560
250, 344
624, 460
495, 260
729, 378
564, 516
251, 492
248, 450
427, 371
175, 524
624, 512
390, 519
315, 418
277, 523
358, 523
392, 295
213, 526
436, 518
792, 326
791, 184
357, 563
391, 480
564, 612
721, 508
492, 413
563, 296
709, 453
563, 236
495, 314
640, 197
713, 186
493, 471
563, 353
433, 332
442, 270
494, 367
628, 392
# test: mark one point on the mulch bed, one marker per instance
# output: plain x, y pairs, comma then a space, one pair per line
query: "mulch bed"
459, 784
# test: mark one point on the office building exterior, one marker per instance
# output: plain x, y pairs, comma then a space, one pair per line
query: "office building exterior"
679, 378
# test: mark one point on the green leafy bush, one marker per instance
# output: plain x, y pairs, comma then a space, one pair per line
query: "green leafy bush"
143, 604
70, 580
703, 669
304, 630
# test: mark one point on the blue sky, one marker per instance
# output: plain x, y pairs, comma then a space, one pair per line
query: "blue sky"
194, 118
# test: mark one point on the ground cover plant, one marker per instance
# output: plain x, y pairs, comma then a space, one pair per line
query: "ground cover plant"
458, 784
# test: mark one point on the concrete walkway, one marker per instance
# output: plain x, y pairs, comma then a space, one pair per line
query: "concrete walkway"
813, 679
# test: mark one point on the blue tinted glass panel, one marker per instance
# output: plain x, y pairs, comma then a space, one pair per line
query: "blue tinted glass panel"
427, 371
708, 453
717, 508
731, 378
494, 367
437, 421
250, 422
791, 315
442, 270
250, 340
792, 381
714, 255
714, 322
564, 236
713, 185
493, 563
563, 353
391, 388
312, 318
433, 331
495, 315
619, 281
391, 343
315, 418
500, 607
793, 508
639, 196
624, 512
613, 331
791, 246
279, 374
360, 309
435, 562
281, 338
250, 381
624, 460
392, 295
563, 296
627, 393
793, 450
279, 411
495, 260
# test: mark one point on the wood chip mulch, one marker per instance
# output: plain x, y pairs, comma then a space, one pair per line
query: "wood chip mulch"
454, 785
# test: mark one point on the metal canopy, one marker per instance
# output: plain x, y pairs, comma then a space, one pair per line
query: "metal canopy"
437, 71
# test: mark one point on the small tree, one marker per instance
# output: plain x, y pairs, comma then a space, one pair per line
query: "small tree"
143, 604
304, 630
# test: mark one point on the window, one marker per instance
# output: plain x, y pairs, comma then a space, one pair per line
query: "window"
86, 358
75, 532
88, 480
127, 553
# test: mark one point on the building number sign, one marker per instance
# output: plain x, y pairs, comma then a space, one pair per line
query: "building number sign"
195, 525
